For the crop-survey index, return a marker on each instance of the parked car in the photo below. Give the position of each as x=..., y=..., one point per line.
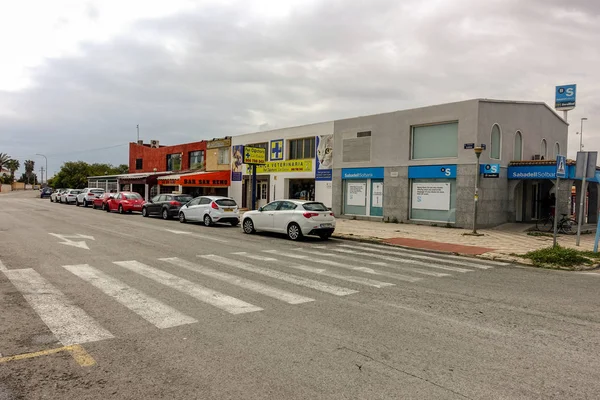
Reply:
x=69, y=196
x=100, y=201
x=87, y=196
x=210, y=210
x=45, y=192
x=124, y=202
x=165, y=205
x=296, y=218
x=55, y=196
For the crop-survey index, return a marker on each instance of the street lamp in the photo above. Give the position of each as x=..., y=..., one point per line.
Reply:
x=37, y=154
x=580, y=133
x=478, y=151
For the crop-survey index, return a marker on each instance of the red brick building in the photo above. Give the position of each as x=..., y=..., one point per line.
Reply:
x=188, y=156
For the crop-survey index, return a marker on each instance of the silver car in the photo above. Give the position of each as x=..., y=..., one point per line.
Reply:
x=69, y=196
x=210, y=210
x=87, y=196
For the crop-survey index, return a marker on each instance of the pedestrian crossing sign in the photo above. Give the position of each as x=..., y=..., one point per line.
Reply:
x=561, y=166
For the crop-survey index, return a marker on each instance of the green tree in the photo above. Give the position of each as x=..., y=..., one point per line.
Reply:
x=29, y=168
x=4, y=159
x=12, y=166
x=74, y=174
x=28, y=179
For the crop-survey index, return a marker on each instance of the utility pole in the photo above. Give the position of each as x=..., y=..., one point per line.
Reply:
x=478, y=151
x=41, y=180
x=37, y=154
x=138, y=132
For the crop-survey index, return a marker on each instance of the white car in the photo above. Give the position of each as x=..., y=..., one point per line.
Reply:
x=55, y=196
x=295, y=218
x=69, y=196
x=210, y=209
x=87, y=196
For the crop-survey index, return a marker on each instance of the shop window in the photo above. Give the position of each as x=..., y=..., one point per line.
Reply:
x=518, y=147
x=433, y=200
x=302, y=189
x=434, y=141
x=223, y=156
x=496, y=142
x=301, y=148
x=196, y=160
x=139, y=163
x=556, y=150
x=544, y=149
x=174, y=162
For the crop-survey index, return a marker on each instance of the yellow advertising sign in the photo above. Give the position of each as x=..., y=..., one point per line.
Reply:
x=286, y=166
x=254, y=155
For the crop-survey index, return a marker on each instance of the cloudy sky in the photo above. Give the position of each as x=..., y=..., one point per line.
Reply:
x=76, y=77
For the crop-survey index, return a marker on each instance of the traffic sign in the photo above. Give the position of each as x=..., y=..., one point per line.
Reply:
x=565, y=97
x=490, y=170
x=469, y=146
x=561, y=166
x=254, y=155
x=482, y=146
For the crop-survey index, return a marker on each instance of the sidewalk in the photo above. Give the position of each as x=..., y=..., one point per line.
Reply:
x=497, y=243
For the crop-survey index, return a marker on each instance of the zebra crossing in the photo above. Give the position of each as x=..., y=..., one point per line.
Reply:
x=292, y=277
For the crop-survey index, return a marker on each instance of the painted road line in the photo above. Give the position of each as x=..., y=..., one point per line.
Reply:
x=366, y=270
x=400, y=253
x=197, y=235
x=403, y=267
x=69, y=323
x=295, y=279
x=257, y=287
x=77, y=351
x=254, y=256
x=403, y=250
x=152, y=310
x=206, y=295
x=3, y=267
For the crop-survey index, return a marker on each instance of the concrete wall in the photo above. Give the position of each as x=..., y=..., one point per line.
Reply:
x=5, y=188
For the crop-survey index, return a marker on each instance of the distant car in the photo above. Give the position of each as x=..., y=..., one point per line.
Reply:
x=100, y=201
x=69, y=196
x=124, y=202
x=295, y=218
x=87, y=196
x=210, y=210
x=55, y=196
x=46, y=192
x=165, y=205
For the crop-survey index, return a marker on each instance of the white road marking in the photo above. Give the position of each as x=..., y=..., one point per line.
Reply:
x=69, y=323
x=152, y=310
x=295, y=279
x=197, y=235
x=402, y=250
x=66, y=240
x=209, y=296
x=590, y=273
x=415, y=270
x=257, y=287
x=361, y=269
x=3, y=267
x=254, y=256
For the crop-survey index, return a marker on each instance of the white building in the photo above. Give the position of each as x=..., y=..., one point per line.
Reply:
x=299, y=165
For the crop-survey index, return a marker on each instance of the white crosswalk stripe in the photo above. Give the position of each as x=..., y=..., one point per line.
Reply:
x=461, y=260
x=254, y=256
x=69, y=323
x=206, y=295
x=152, y=310
x=295, y=279
x=257, y=287
x=320, y=260
x=403, y=262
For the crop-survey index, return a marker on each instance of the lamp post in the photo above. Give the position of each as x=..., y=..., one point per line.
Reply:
x=478, y=151
x=580, y=133
x=37, y=154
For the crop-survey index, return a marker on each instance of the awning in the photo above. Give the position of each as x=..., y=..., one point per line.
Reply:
x=197, y=179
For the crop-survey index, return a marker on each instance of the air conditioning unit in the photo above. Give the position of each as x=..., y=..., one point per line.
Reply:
x=140, y=142
x=537, y=157
x=154, y=144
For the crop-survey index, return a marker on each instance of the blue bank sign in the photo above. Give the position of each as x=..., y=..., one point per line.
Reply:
x=565, y=97
x=362, y=173
x=432, y=171
x=532, y=172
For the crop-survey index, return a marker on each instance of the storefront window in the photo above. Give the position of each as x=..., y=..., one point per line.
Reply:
x=433, y=200
x=355, y=197
x=302, y=189
x=435, y=141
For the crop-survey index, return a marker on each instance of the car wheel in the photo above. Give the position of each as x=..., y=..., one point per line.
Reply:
x=248, y=226
x=93, y=206
x=294, y=232
x=144, y=212
x=325, y=236
x=121, y=209
x=182, y=218
x=85, y=203
x=207, y=220
x=165, y=213
x=51, y=201
x=107, y=208
x=235, y=223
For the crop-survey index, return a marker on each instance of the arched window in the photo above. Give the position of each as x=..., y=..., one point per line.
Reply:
x=518, y=150
x=556, y=149
x=544, y=149
x=496, y=142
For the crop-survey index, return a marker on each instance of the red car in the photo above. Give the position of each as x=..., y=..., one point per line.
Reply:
x=124, y=202
x=100, y=202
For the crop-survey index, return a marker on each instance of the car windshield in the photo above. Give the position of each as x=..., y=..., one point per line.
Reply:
x=314, y=207
x=226, y=203
x=183, y=199
x=133, y=196
x=75, y=191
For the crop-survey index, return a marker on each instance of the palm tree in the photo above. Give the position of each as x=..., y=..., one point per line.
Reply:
x=4, y=159
x=29, y=166
x=12, y=166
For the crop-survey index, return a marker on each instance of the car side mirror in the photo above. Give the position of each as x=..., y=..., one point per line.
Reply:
x=260, y=209
x=111, y=197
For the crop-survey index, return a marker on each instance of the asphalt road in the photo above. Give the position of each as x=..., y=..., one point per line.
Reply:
x=141, y=308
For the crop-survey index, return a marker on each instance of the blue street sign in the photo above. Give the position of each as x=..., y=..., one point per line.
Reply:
x=469, y=146
x=565, y=97
x=561, y=166
x=483, y=146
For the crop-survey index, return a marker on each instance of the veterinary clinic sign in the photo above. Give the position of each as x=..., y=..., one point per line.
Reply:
x=286, y=166
x=254, y=155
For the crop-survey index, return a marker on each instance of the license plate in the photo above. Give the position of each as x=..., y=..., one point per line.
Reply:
x=137, y=206
x=326, y=225
x=228, y=209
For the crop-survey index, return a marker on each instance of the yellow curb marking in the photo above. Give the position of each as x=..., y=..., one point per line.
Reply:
x=77, y=351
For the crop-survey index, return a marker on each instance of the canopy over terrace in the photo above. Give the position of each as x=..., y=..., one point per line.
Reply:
x=140, y=182
x=198, y=183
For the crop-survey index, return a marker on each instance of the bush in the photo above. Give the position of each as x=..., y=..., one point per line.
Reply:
x=560, y=257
